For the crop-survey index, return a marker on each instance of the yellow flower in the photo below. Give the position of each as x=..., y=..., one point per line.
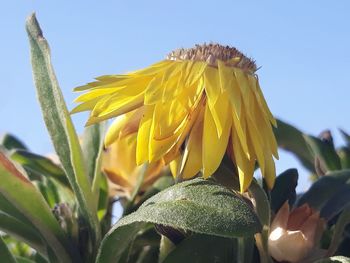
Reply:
x=119, y=163
x=189, y=110
x=294, y=234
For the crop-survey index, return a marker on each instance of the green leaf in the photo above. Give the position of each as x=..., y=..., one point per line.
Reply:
x=24, y=260
x=336, y=259
x=344, y=155
x=291, y=139
x=200, y=248
x=345, y=135
x=9, y=142
x=39, y=164
x=6, y=255
x=342, y=222
x=336, y=203
x=284, y=189
x=129, y=206
x=262, y=206
x=10, y=209
x=60, y=126
x=103, y=197
x=22, y=232
x=92, y=145
x=162, y=183
x=49, y=191
x=245, y=249
x=20, y=192
x=324, y=151
x=123, y=236
x=200, y=206
x=148, y=255
x=324, y=188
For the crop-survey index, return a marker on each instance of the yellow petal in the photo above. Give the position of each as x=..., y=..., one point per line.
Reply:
x=123, y=125
x=190, y=96
x=102, y=80
x=245, y=167
x=196, y=73
x=184, y=121
x=212, y=85
x=173, y=154
x=158, y=148
x=270, y=171
x=121, y=83
x=213, y=147
x=192, y=157
x=264, y=105
x=133, y=122
x=114, y=130
x=143, y=135
x=168, y=118
x=220, y=113
x=154, y=91
x=174, y=166
x=112, y=107
x=229, y=84
x=174, y=85
x=240, y=126
x=119, y=160
x=85, y=106
x=243, y=83
x=153, y=69
x=265, y=130
x=95, y=93
x=257, y=144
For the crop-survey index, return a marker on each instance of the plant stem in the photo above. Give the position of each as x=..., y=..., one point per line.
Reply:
x=166, y=246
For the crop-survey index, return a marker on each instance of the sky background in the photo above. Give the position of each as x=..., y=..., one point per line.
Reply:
x=301, y=46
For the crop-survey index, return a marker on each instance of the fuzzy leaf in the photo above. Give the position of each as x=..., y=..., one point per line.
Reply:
x=60, y=126
x=200, y=206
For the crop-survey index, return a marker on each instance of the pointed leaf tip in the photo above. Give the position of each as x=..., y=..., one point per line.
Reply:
x=33, y=27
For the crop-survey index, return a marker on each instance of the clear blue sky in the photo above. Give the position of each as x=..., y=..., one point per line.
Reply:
x=302, y=46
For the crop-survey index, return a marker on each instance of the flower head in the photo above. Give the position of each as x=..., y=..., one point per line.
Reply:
x=119, y=164
x=189, y=110
x=294, y=234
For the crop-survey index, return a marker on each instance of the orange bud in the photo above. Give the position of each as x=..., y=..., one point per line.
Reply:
x=119, y=164
x=294, y=235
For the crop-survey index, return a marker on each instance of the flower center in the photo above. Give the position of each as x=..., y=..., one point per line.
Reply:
x=211, y=53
